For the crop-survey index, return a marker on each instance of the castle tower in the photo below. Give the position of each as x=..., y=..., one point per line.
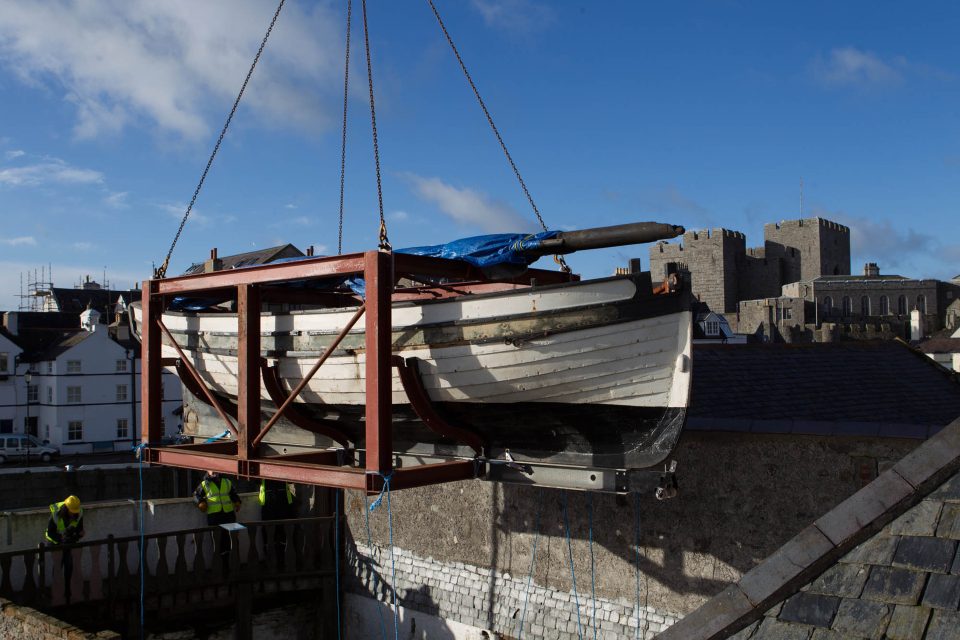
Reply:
x=711, y=257
x=809, y=248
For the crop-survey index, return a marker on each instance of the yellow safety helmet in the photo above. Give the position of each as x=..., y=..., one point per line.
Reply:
x=73, y=504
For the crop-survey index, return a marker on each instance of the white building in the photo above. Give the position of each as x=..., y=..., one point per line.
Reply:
x=83, y=393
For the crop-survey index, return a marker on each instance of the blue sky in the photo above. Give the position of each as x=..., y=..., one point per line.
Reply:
x=705, y=114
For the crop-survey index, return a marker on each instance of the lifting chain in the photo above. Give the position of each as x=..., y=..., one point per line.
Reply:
x=162, y=271
x=343, y=135
x=384, y=243
x=557, y=258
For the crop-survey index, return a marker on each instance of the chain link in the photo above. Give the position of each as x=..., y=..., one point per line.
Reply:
x=343, y=136
x=162, y=271
x=384, y=241
x=558, y=259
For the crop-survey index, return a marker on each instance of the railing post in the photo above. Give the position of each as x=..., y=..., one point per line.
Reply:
x=111, y=574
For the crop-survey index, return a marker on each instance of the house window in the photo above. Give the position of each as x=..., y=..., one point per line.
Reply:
x=75, y=430
x=49, y=395
x=123, y=431
x=922, y=303
x=50, y=366
x=4, y=362
x=847, y=307
x=6, y=426
x=33, y=393
x=787, y=313
x=884, y=306
x=73, y=366
x=46, y=431
x=34, y=367
x=712, y=327
x=828, y=306
x=902, y=305
x=73, y=395
x=865, y=306
x=121, y=393
x=121, y=366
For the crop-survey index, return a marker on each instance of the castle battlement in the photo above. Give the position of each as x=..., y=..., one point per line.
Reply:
x=805, y=222
x=713, y=234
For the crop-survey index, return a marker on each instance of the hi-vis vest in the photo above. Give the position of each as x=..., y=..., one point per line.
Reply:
x=263, y=493
x=218, y=496
x=61, y=524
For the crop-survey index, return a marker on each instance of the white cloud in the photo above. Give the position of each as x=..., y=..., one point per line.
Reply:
x=176, y=64
x=398, y=216
x=176, y=212
x=50, y=171
x=15, y=153
x=514, y=15
x=849, y=66
x=879, y=241
x=117, y=200
x=290, y=206
x=82, y=246
x=20, y=241
x=469, y=207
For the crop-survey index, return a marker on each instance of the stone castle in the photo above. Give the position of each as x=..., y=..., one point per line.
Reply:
x=724, y=271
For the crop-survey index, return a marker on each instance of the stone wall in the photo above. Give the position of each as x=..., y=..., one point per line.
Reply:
x=23, y=623
x=463, y=550
x=809, y=247
x=712, y=258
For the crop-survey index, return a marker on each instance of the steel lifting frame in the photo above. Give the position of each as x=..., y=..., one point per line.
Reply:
x=240, y=457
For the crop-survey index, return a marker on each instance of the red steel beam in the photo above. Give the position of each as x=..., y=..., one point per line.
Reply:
x=151, y=372
x=379, y=372
x=300, y=270
x=306, y=379
x=248, y=369
x=437, y=473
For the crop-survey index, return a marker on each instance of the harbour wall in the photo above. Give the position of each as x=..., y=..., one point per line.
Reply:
x=462, y=551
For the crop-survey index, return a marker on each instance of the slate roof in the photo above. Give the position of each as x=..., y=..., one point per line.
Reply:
x=103, y=300
x=940, y=345
x=847, y=388
x=67, y=341
x=251, y=258
x=883, y=564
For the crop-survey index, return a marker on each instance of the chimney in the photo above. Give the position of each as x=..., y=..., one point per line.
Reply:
x=871, y=270
x=310, y=251
x=214, y=263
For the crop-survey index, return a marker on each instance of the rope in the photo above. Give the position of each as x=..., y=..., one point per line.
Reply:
x=573, y=575
x=139, y=451
x=336, y=552
x=343, y=135
x=393, y=566
x=496, y=132
x=366, y=517
x=384, y=242
x=636, y=511
x=533, y=562
x=162, y=271
x=593, y=579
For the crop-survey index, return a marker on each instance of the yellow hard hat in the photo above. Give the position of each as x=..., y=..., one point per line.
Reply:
x=73, y=504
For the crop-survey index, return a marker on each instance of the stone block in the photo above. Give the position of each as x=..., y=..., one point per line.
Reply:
x=943, y=625
x=830, y=634
x=896, y=586
x=859, y=617
x=921, y=520
x=716, y=614
x=785, y=564
x=772, y=629
x=949, y=491
x=955, y=569
x=949, y=522
x=864, y=508
x=877, y=550
x=925, y=554
x=810, y=609
x=927, y=462
x=942, y=592
x=907, y=623
x=844, y=580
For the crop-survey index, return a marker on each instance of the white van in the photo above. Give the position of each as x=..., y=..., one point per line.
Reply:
x=20, y=446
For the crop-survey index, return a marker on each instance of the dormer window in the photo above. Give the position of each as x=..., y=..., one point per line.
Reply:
x=712, y=328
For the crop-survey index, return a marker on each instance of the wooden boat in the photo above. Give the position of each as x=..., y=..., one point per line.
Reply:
x=591, y=374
